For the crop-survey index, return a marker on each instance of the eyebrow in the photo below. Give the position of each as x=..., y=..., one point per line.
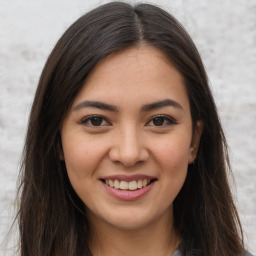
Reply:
x=160, y=104
x=95, y=104
x=145, y=108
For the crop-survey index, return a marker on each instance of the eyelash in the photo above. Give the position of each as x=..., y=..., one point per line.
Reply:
x=88, y=121
x=167, y=121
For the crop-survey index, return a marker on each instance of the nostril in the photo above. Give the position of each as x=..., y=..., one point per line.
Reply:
x=129, y=153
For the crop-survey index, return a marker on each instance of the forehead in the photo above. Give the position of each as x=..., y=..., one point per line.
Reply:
x=137, y=61
x=138, y=74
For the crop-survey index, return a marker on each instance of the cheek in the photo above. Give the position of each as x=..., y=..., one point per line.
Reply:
x=82, y=159
x=172, y=154
x=81, y=156
x=173, y=161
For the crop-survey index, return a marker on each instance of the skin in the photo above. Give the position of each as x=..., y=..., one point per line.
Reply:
x=131, y=140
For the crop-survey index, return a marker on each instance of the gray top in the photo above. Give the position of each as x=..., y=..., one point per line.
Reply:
x=177, y=253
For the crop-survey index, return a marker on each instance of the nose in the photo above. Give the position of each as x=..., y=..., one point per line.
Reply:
x=128, y=147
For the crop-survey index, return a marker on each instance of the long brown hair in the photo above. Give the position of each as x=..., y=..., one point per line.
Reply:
x=52, y=217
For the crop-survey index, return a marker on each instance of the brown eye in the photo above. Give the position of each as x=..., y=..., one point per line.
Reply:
x=161, y=121
x=96, y=121
x=158, y=121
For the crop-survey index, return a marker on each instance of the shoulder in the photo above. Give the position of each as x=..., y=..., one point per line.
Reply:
x=248, y=254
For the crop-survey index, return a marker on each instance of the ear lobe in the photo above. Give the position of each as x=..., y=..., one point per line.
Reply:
x=196, y=140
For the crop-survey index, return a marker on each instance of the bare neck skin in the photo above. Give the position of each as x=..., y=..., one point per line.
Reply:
x=157, y=238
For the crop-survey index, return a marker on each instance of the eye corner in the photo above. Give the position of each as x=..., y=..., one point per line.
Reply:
x=161, y=121
x=94, y=121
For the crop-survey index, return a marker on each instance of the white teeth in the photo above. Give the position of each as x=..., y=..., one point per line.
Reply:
x=125, y=185
x=116, y=184
x=139, y=183
x=133, y=185
x=111, y=183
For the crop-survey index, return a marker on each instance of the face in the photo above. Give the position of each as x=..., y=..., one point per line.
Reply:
x=127, y=139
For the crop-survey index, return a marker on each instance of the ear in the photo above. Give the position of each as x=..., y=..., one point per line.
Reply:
x=195, y=140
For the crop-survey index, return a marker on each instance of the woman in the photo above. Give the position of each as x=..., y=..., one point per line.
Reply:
x=125, y=154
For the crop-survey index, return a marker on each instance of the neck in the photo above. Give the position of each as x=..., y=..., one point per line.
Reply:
x=157, y=238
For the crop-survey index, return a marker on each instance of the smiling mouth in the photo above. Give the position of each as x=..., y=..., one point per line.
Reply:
x=128, y=185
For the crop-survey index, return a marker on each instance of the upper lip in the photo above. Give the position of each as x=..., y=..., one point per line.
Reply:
x=128, y=177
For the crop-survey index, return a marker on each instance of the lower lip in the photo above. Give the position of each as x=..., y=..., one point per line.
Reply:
x=128, y=195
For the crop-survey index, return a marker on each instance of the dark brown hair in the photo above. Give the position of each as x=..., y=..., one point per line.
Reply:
x=51, y=217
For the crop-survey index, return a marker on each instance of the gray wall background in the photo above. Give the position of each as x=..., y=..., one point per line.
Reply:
x=225, y=34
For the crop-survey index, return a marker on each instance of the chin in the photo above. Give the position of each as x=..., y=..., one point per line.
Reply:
x=129, y=224
x=131, y=219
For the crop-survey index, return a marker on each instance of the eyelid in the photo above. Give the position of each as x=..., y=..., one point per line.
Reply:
x=86, y=119
x=169, y=119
